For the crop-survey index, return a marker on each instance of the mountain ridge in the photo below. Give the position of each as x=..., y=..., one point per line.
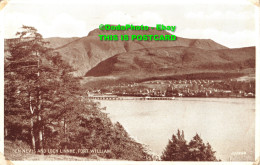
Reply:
x=84, y=54
x=168, y=61
x=87, y=52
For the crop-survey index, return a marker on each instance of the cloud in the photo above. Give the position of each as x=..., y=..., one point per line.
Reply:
x=220, y=15
x=117, y=17
x=227, y=24
x=231, y=40
x=65, y=25
x=149, y=18
x=61, y=25
x=145, y=18
x=14, y=21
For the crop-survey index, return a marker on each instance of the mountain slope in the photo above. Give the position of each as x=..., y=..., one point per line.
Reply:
x=85, y=53
x=175, y=61
x=56, y=42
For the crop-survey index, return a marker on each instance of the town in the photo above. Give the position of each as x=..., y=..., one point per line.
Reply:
x=180, y=88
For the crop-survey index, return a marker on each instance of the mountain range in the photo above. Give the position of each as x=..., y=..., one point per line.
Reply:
x=91, y=57
x=87, y=52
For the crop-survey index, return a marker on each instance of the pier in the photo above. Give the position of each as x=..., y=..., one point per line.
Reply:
x=128, y=98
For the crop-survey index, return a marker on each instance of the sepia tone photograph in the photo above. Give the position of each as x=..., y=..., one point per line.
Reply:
x=134, y=81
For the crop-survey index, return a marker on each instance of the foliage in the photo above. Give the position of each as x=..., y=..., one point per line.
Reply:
x=178, y=150
x=46, y=107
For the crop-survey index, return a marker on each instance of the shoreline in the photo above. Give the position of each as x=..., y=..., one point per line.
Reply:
x=114, y=97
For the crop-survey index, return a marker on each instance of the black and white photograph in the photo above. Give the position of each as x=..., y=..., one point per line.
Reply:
x=133, y=81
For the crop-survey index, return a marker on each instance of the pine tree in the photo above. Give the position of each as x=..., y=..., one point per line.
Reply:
x=42, y=97
x=198, y=151
x=183, y=145
x=176, y=149
x=31, y=63
x=210, y=154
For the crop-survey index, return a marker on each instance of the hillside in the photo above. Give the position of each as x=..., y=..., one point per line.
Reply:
x=178, y=60
x=56, y=42
x=91, y=57
x=85, y=53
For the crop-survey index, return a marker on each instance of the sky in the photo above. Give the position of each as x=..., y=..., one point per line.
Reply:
x=230, y=23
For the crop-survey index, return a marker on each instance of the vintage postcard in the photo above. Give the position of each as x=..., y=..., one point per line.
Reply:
x=112, y=82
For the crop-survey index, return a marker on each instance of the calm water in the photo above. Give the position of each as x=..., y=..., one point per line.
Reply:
x=226, y=123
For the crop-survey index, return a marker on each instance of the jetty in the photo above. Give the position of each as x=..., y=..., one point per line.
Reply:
x=113, y=97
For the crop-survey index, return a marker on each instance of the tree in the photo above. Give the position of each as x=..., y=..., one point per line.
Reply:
x=24, y=63
x=198, y=151
x=210, y=154
x=178, y=150
x=32, y=64
x=47, y=107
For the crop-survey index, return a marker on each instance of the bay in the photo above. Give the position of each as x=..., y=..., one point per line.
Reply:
x=228, y=124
